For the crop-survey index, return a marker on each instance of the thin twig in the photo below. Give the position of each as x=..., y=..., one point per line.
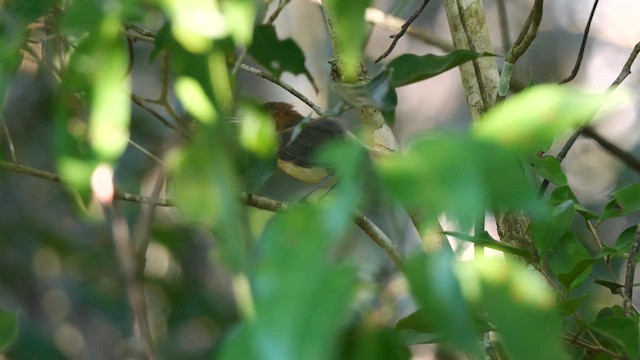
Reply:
x=583, y=45
x=626, y=69
x=380, y=18
x=146, y=152
x=22, y=169
x=403, y=30
x=140, y=102
x=281, y=5
x=7, y=134
x=630, y=273
x=259, y=202
x=283, y=85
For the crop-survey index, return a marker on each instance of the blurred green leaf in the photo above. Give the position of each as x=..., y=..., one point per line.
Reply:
x=240, y=16
x=8, y=328
x=457, y=175
x=508, y=291
x=206, y=190
x=570, y=261
x=621, y=330
x=410, y=68
x=294, y=266
x=531, y=120
x=350, y=29
x=434, y=285
x=549, y=168
x=626, y=200
x=195, y=24
x=257, y=131
x=278, y=56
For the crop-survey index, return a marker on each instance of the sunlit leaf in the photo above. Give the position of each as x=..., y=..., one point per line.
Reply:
x=531, y=120
x=508, y=291
x=457, y=175
x=240, y=16
x=410, y=68
x=196, y=23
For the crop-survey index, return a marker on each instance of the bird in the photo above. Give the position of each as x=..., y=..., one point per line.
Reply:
x=299, y=141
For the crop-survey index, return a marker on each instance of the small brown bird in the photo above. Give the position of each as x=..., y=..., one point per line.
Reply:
x=300, y=141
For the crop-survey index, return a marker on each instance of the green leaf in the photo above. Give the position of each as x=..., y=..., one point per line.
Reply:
x=546, y=233
x=549, y=168
x=570, y=261
x=410, y=68
x=435, y=286
x=563, y=193
x=278, y=56
x=625, y=239
x=570, y=306
x=531, y=120
x=294, y=266
x=621, y=330
x=8, y=328
x=625, y=201
x=349, y=27
x=457, y=175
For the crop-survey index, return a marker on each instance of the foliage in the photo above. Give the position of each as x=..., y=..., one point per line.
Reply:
x=217, y=275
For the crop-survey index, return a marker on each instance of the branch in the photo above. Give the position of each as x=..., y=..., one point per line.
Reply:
x=283, y=85
x=403, y=29
x=380, y=18
x=583, y=45
x=259, y=202
x=22, y=169
x=281, y=5
x=140, y=102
